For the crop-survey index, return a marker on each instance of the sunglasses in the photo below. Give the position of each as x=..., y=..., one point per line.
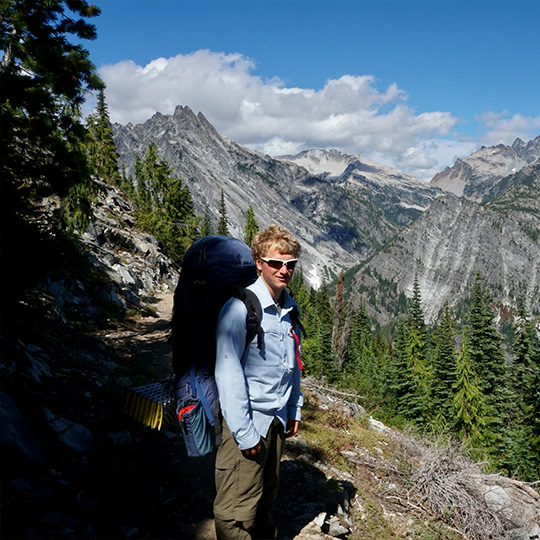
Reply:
x=276, y=264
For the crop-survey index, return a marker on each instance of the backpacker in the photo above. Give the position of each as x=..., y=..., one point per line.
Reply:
x=214, y=269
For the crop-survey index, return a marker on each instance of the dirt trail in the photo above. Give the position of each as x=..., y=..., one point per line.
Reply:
x=189, y=489
x=149, y=340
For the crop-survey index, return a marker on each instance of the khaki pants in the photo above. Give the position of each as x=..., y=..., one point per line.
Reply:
x=247, y=487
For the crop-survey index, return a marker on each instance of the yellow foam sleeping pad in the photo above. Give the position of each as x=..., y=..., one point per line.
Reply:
x=153, y=404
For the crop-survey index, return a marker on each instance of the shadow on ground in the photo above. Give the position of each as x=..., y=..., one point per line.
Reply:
x=134, y=482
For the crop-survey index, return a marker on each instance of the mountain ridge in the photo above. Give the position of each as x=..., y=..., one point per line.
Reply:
x=336, y=229
x=474, y=177
x=351, y=215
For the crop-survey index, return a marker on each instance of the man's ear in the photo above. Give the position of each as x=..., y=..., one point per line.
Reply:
x=258, y=264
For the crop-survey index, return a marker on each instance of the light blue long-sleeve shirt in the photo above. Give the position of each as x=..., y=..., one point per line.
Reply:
x=257, y=385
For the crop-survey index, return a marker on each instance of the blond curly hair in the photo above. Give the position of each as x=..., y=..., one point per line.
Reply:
x=278, y=237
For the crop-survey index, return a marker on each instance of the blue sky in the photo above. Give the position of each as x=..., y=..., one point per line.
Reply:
x=413, y=84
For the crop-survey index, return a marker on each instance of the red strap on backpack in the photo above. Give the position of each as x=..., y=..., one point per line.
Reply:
x=297, y=340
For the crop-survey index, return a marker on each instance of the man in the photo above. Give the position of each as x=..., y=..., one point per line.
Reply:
x=259, y=390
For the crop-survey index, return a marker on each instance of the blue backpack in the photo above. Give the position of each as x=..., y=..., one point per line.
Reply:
x=214, y=269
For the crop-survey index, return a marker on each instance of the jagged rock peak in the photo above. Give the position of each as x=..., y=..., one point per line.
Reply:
x=185, y=111
x=530, y=151
x=476, y=176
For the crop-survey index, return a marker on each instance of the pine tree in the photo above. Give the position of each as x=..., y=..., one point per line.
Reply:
x=491, y=371
x=223, y=223
x=179, y=226
x=300, y=293
x=165, y=206
x=43, y=82
x=365, y=366
x=416, y=347
x=340, y=323
x=415, y=311
x=404, y=384
x=485, y=343
x=532, y=415
x=487, y=357
x=358, y=347
x=524, y=342
x=317, y=349
x=444, y=374
x=101, y=145
x=206, y=226
x=44, y=78
x=471, y=409
x=252, y=227
x=525, y=435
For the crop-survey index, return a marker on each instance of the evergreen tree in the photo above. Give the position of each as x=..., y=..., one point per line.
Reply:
x=444, y=374
x=524, y=343
x=364, y=368
x=101, y=146
x=179, y=226
x=340, y=323
x=223, y=223
x=485, y=342
x=487, y=360
x=206, y=226
x=414, y=333
x=532, y=416
x=503, y=422
x=358, y=347
x=470, y=406
x=142, y=193
x=43, y=81
x=317, y=349
x=415, y=311
x=299, y=291
x=404, y=384
x=525, y=434
x=165, y=206
x=252, y=227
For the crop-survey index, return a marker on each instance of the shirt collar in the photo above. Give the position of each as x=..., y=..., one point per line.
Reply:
x=261, y=290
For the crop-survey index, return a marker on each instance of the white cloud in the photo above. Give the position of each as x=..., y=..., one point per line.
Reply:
x=505, y=128
x=349, y=113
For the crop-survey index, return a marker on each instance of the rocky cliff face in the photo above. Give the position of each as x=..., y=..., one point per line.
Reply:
x=444, y=248
x=475, y=177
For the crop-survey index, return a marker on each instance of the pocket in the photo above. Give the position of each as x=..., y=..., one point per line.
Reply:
x=196, y=431
x=271, y=354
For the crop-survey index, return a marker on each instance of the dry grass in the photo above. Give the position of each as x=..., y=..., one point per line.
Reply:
x=445, y=484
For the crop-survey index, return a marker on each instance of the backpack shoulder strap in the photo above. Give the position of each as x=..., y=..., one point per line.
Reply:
x=253, y=318
x=254, y=314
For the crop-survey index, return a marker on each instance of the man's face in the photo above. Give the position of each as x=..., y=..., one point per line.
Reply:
x=275, y=276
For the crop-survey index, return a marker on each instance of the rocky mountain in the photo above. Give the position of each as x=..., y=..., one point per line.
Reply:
x=452, y=240
x=347, y=210
x=210, y=164
x=340, y=219
x=401, y=197
x=476, y=176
